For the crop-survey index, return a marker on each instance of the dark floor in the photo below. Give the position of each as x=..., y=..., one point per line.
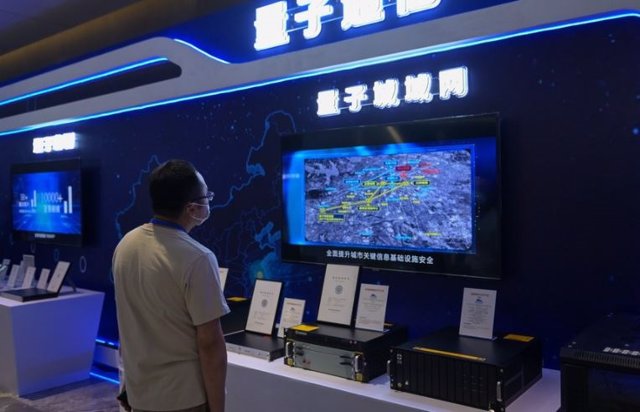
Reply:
x=91, y=395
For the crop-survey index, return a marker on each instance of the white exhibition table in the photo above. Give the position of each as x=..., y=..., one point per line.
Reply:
x=48, y=343
x=254, y=384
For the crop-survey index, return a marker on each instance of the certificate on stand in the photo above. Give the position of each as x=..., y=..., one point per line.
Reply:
x=223, y=272
x=264, y=304
x=372, y=306
x=43, y=279
x=338, y=294
x=29, y=274
x=292, y=312
x=478, y=310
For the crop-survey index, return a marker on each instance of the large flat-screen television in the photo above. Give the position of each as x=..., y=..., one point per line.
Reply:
x=421, y=196
x=46, y=202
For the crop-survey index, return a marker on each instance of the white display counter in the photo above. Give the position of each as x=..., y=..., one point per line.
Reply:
x=48, y=343
x=254, y=384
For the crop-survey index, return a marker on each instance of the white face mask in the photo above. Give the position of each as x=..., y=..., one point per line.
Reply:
x=201, y=220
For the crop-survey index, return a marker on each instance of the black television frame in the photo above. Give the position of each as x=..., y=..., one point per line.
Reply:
x=486, y=260
x=53, y=238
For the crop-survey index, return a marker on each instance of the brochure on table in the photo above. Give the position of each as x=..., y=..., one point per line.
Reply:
x=292, y=313
x=43, y=279
x=264, y=304
x=29, y=274
x=13, y=277
x=223, y=272
x=27, y=262
x=338, y=294
x=4, y=269
x=372, y=307
x=19, y=277
x=478, y=310
x=59, y=273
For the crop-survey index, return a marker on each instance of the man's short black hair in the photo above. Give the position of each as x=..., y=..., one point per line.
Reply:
x=172, y=185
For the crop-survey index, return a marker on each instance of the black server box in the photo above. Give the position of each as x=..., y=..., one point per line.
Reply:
x=351, y=353
x=600, y=368
x=482, y=373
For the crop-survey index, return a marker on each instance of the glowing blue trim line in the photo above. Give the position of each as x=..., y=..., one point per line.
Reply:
x=342, y=67
x=107, y=342
x=469, y=43
x=84, y=80
x=201, y=51
x=104, y=378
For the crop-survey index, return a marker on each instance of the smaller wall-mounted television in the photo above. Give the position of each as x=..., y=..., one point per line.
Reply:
x=46, y=202
x=420, y=196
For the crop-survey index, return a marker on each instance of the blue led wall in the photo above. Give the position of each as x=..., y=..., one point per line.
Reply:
x=569, y=101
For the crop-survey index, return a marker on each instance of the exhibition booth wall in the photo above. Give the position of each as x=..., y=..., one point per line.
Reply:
x=567, y=96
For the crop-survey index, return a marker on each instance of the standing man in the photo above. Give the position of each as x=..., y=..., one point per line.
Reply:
x=169, y=301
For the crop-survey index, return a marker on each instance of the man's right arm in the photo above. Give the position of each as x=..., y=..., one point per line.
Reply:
x=213, y=362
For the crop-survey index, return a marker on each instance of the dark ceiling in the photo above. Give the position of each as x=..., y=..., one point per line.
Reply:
x=36, y=35
x=23, y=22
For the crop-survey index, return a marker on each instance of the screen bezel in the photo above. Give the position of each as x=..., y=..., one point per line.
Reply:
x=484, y=263
x=63, y=239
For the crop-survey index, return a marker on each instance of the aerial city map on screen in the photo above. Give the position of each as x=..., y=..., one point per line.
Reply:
x=419, y=196
x=419, y=200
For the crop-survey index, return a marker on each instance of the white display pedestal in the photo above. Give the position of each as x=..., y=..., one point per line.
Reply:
x=254, y=384
x=49, y=342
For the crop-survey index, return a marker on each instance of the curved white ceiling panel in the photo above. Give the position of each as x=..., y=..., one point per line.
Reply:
x=204, y=75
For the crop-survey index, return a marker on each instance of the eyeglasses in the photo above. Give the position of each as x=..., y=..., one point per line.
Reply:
x=209, y=196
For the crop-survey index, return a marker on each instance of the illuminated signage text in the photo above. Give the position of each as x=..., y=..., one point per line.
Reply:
x=55, y=143
x=388, y=93
x=272, y=20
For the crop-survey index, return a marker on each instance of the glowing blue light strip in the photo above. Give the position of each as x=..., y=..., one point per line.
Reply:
x=85, y=80
x=471, y=42
x=107, y=342
x=342, y=67
x=104, y=378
